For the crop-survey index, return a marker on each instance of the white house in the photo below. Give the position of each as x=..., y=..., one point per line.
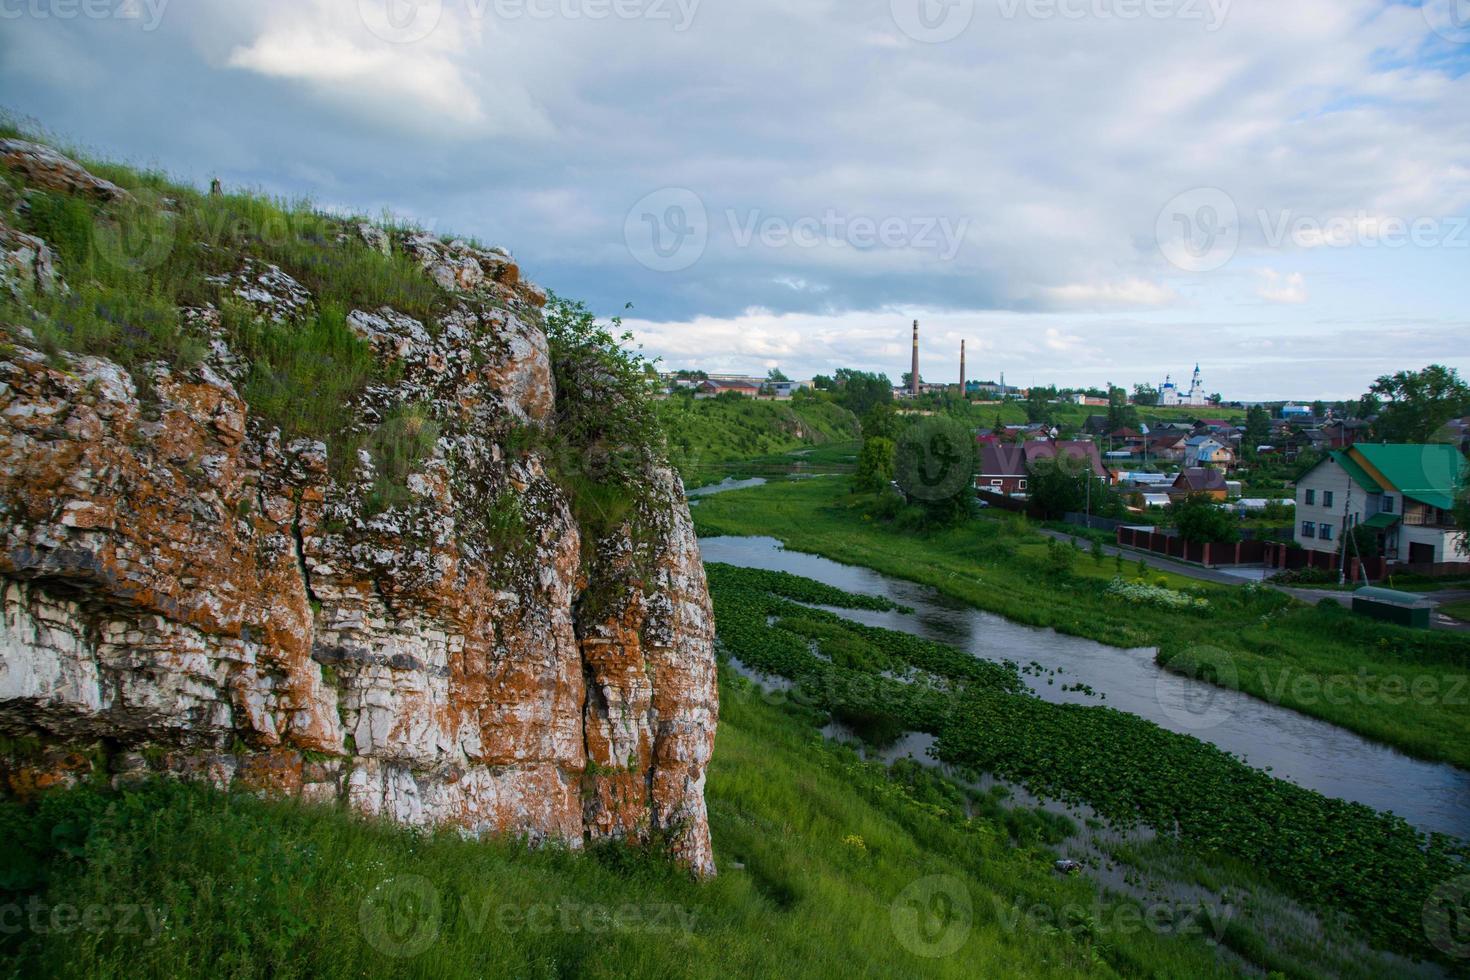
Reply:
x=1404, y=493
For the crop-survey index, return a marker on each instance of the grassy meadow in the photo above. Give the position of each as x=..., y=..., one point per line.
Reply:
x=1403, y=687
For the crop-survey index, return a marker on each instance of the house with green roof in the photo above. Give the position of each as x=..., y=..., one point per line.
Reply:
x=1404, y=493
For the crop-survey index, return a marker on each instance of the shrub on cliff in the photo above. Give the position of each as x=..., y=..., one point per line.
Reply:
x=605, y=425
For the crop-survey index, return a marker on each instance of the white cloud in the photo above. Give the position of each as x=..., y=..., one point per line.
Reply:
x=1127, y=293
x=433, y=83
x=1058, y=141
x=1276, y=288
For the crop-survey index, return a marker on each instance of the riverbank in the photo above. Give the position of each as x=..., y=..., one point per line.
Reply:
x=1337, y=857
x=1408, y=689
x=1072, y=670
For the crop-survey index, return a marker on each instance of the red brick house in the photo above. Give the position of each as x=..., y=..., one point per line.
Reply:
x=712, y=388
x=1004, y=468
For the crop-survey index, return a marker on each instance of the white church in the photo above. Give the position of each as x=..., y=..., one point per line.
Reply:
x=1170, y=394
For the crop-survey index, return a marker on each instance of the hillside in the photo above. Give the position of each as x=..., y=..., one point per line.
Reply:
x=705, y=436
x=829, y=865
x=821, y=855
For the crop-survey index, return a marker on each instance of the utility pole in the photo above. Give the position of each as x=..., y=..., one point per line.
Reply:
x=1087, y=513
x=1347, y=510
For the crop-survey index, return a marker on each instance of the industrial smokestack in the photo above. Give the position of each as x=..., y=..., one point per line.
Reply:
x=963, y=379
x=914, y=373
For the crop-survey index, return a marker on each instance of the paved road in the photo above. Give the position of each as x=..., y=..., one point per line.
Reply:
x=1439, y=619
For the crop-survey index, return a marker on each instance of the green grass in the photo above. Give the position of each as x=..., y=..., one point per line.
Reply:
x=1275, y=648
x=816, y=849
x=1075, y=416
x=132, y=266
x=706, y=436
x=1459, y=610
x=1344, y=857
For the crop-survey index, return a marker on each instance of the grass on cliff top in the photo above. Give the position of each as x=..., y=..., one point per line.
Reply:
x=1286, y=652
x=836, y=862
x=132, y=266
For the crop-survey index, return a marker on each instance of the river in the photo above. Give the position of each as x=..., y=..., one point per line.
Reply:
x=1293, y=746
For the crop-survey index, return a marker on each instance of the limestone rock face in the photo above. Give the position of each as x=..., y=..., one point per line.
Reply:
x=199, y=596
x=44, y=167
x=26, y=263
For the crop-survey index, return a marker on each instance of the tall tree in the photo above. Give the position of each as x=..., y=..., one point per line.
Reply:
x=1200, y=519
x=875, y=465
x=1059, y=485
x=861, y=390
x=881, y=422
x=1145, y=395
x=1257, y=430
x=775, y=375
x=1419, y=403
x=1121, y=415
x=1038, y=405
x=934, y=464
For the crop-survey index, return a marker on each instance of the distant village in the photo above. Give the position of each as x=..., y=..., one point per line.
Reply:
x=1344, y=480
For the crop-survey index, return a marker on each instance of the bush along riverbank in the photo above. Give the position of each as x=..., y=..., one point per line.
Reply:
x=1342, y=857
x=1405, y=688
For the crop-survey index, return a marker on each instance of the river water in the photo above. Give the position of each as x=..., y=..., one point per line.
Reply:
x=1294, y=747
x=725, y=485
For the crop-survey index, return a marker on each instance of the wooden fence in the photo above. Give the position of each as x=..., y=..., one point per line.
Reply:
x=1211, y=554
x=1286, y=558
x=1278, y=555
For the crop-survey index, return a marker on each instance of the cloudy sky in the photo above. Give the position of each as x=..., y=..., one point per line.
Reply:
x=1085, y=190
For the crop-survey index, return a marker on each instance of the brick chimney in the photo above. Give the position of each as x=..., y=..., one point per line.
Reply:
x=914, y=372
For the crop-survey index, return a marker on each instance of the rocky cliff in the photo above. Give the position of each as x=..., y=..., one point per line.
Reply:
x=429, y=634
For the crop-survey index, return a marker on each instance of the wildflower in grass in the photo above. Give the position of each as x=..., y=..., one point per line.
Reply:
x=1154, y=595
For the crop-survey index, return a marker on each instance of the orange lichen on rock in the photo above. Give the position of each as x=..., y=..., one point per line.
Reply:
x=175, y=574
